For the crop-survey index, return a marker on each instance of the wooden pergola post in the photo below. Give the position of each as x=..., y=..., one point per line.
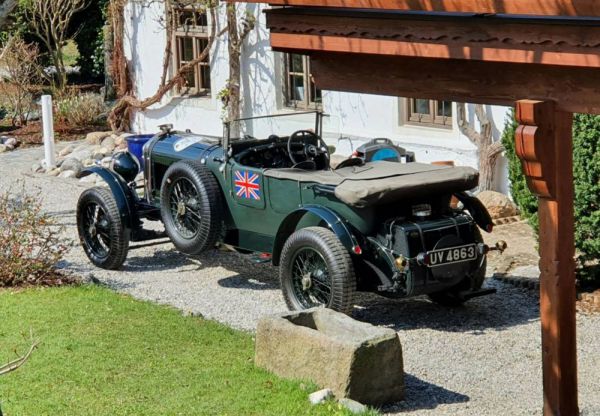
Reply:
x=544, y=145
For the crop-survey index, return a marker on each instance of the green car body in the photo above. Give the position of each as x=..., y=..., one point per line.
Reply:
x=247, y=195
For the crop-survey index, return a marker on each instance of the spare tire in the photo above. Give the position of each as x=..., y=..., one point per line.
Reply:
x=191, y=207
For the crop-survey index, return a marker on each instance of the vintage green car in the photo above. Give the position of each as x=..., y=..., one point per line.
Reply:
x=383, y=227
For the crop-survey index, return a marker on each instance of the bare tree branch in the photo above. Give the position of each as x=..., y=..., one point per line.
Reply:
x=14, y=365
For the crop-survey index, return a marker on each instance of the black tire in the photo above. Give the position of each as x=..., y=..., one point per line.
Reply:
x=191, y=207
x=474, y=282
x=101, y=231
x=330, y=266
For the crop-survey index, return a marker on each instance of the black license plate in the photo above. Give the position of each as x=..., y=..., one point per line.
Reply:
x=452, y=255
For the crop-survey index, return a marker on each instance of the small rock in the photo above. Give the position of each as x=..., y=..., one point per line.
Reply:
x=72, y=164
x=53, y=172
x=109, y=144
x=67, y=174
x=67, y=150
x=119, y=141
x=88, y=162
x=121, y=147
x=320, y=396
x=497, y=204
x=97, y=137
x=353, y=406
x=3, y=148
x=89, y=179
x=11, y=143
x=37, y=168
x=82, y=154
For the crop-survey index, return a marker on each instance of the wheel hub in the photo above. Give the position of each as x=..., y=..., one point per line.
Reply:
x=306, y=282
x=92, y=230
x=181, y=208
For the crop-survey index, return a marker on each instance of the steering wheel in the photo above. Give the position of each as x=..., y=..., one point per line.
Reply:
x=310, y=151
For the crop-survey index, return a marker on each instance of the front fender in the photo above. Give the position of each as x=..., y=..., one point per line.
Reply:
x=339, y=227
x=123, y=194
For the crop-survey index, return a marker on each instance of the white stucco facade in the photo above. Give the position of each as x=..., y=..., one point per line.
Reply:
x=352, y=117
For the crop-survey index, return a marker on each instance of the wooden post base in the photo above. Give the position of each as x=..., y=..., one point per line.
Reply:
x=544, y=145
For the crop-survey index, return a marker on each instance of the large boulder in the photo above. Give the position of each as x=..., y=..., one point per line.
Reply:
x=97, y=137
x=353, y=359
x=498, y=205
x=72, y=164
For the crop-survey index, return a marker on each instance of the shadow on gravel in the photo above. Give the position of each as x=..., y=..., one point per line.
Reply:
x=423, y=395
x=509, y=307
x=247, y=275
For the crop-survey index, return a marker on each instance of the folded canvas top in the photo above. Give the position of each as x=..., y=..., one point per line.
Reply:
x=382, y=182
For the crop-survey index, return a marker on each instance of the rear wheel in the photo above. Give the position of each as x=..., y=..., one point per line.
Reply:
x=101, y=231
x=316, y=271
x=191, y=207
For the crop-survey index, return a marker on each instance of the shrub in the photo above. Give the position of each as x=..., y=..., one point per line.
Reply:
x=525, y=200
x=81, y=110
x=22, y=71
x=30, y=242
x=586, y=171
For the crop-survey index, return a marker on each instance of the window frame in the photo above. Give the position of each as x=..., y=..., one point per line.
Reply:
x=311, y=92
x=429, y=120
x=199, y=35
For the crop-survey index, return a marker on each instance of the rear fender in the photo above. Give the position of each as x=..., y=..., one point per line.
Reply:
x=124, y=196
x=477, y=210
x=336, y=224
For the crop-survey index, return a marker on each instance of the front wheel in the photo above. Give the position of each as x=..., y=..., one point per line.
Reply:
x=103, y=235
x=317, y=271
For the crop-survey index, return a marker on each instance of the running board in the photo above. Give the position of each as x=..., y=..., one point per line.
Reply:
x=470, y=295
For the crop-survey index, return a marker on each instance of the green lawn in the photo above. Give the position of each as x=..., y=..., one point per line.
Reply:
x=102, y=353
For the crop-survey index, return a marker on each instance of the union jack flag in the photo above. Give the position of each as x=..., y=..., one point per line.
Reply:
x=247, y=185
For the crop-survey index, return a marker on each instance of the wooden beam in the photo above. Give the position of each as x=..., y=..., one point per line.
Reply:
x=532, y=41
x=311, y=43
x=573, y=89
x=586, y=8
x=544, y=144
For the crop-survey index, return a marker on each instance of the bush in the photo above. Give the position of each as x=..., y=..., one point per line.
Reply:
x=586, y=171
x=525, y=200
x=81, y=110
x=30, y=243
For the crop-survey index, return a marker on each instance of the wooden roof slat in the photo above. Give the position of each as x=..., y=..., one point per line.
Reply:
x=584, y=8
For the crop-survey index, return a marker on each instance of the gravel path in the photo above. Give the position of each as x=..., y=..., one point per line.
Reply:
x=483, y=359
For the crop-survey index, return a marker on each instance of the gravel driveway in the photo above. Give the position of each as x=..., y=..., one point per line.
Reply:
x=482, y=359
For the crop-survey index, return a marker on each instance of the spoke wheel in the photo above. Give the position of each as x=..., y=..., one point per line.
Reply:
x=101, y=232
x=317, y=271
x=310, y=278
x=185, y=203
x=191, y=207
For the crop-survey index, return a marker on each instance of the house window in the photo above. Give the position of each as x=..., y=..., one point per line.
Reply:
x=300, y=89
x=190, y=38
x=429, y=112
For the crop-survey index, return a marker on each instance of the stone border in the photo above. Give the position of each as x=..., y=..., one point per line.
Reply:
x=508, y=220
x=521, y=282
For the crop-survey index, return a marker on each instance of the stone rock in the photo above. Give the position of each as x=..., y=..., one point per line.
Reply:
x=3, y=148
x=72, y=164
x=11, y=143
x=37, y=168
x=354, y=359
x=67, y=174
x=88, y=162
x=122, y=139
x=353, y=406
x=320, y=396
x=89, y=179
x=53, y=172
x=97, y=137
x=498, y=205
x=67, y=150
x=81, y=154
x=109, y=144
x=121, y=147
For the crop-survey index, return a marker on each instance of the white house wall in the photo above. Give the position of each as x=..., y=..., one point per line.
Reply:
x=352, y=117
